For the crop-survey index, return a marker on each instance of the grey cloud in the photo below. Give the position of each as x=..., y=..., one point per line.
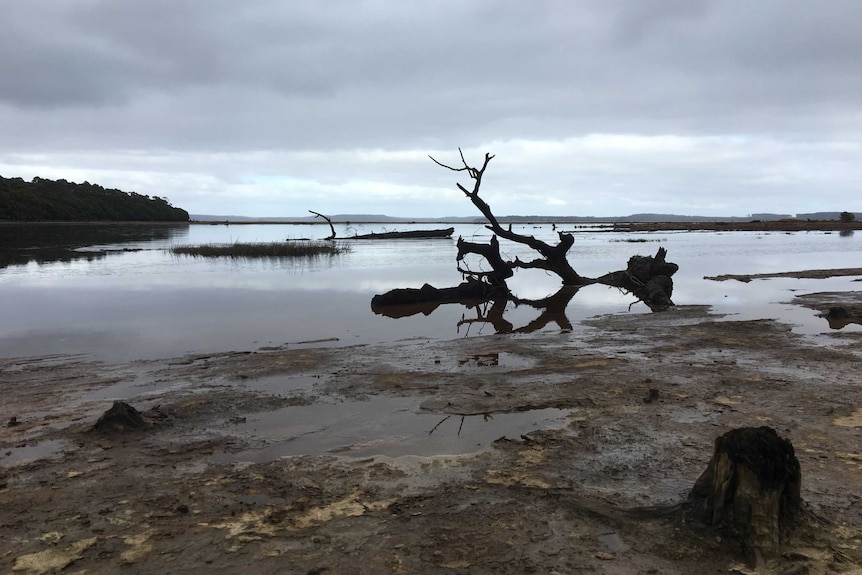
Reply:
x=198, y=77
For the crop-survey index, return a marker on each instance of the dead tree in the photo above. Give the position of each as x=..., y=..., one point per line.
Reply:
x=328, y=221
x=752, y=487
x=553, y=256
x=646, y=277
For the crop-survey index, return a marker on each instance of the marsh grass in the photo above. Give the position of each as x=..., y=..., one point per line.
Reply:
x=288, y=249
x=636, y=240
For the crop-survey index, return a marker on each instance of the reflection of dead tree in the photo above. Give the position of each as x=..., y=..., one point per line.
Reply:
x=489, y=312
x=553, y=310
x=439, y=423
x=328, y=221
x=485, y=417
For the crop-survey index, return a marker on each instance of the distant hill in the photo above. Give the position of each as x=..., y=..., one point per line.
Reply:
x=42, y=200
x=634, y=218
x=336, y=218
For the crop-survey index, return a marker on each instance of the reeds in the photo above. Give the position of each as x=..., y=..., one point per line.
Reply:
x=636, y=240
x=288, y=249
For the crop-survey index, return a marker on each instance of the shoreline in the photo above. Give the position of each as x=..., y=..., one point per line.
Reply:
x=608, y=226
x=644, y=397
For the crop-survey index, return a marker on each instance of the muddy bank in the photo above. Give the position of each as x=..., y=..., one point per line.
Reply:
x=756, y=226
x=630, y=406
x=812, y=274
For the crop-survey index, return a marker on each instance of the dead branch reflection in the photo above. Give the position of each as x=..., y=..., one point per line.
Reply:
x=485, y=417
x=552, y=310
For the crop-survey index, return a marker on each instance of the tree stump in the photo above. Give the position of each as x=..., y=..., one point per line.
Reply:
x=121, y=417
x=752, y=486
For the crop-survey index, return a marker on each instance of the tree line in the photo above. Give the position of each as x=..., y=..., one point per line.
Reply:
x=43, y=200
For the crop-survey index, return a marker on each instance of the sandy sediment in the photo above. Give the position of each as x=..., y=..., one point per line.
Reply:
x=642, y=397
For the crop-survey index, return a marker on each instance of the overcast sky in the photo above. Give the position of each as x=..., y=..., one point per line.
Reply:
x=276, y=107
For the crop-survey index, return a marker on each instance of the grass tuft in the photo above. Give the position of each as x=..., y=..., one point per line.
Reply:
x=289, y=249
x=636, y=240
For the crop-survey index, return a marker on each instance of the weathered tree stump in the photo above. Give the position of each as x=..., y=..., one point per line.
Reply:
x=752, y=486
x=121, y=417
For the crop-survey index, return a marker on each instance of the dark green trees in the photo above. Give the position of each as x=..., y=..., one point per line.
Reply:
x=48, y=200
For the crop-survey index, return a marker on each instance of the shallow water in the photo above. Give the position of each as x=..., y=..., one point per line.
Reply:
x=389, y=426
x=61, y=292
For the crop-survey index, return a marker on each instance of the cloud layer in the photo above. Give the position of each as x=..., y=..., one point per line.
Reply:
x=271, y=108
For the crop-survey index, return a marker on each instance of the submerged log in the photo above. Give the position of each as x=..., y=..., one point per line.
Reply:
x=751, y=486
x=408, y=235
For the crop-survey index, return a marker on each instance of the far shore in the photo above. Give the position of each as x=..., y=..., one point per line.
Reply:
x=788, y=225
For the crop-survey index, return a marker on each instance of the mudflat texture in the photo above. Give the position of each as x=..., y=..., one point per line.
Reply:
x=603, y=491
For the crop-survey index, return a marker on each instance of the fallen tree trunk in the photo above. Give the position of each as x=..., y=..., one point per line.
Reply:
x=648, y=278
x=553, y=258
x=473, y=291
x=412, y=234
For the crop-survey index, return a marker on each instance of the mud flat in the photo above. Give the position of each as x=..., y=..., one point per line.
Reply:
x=611, y=424
x=789, y=225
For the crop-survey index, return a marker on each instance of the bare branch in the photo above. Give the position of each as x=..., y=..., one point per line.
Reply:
x=331, y=227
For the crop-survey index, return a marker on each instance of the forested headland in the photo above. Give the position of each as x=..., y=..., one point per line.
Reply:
x=43, y=200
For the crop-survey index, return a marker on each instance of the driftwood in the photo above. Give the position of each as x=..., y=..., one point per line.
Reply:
x=647, y=277
x=328, y=221
x=751, y=486
x=553, y=256
x=409, y=235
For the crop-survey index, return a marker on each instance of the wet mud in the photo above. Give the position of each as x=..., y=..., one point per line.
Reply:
x=566, y=452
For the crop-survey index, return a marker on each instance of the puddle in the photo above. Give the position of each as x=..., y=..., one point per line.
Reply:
x=494, y=359
x=42, y=450
x=391, y=427
x=612, y=542
x=513, y=361
x=693, y=416
x=282, y=384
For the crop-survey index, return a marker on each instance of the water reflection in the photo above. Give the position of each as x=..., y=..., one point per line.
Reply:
x=149, y=304
x=838, y=317
x=552, y=308
x=493, y=312
x=21, y=244
x=389, y=426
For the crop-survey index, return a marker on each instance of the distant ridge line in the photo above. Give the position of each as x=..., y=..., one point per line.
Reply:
x=634, y=218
